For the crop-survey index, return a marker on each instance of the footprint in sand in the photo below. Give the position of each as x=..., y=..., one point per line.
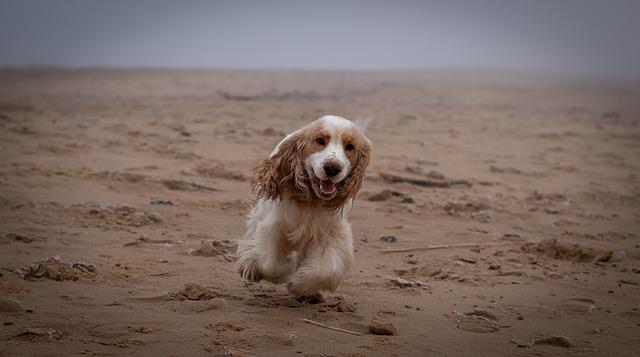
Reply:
x=478, y=320
x=576, y=306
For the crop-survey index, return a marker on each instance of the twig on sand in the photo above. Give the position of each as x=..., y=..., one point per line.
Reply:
x=330, y=327
x=629, y=282
x=447, y=246
x=424, y=183
x=233, y=351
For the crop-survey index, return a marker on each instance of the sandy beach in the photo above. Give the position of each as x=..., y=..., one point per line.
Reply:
x=500, y=215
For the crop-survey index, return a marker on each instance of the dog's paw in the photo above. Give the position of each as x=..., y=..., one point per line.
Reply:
x=251, y=275
x=249, y=271
x=300, y=295
x=316, y=298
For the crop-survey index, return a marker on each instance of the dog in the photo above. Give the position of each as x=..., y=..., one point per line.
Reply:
x=297, y=232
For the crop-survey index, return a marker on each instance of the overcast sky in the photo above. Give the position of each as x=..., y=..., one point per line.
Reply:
x=600, y=37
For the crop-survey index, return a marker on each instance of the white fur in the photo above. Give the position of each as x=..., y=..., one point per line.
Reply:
x=281, y=245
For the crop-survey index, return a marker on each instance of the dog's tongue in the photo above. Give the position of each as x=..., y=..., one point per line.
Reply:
x=327, y=186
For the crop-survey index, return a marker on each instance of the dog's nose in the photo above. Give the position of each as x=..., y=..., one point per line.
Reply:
x=332, y=169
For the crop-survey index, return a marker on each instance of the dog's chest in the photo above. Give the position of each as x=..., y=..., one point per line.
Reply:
x=310, y=224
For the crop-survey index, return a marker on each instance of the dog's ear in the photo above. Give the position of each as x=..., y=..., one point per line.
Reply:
x=282, y=174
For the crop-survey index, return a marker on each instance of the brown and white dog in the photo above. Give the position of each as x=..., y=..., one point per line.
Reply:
x=297, y=232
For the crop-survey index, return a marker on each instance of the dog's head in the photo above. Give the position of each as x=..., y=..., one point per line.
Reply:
x=322, y=163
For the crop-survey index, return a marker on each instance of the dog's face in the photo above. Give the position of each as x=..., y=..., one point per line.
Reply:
x=331, y=152
x=322, y=163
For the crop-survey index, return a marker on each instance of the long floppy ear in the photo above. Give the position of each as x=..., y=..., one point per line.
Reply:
x=282, y=174
x=354, y=181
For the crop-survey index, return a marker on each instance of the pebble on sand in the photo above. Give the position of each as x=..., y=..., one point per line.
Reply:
x=382, y=328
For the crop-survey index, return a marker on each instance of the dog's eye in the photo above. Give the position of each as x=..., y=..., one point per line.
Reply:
x=320, y=141
x=349, y=147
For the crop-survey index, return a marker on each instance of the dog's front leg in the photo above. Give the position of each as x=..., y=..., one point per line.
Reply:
x=264, y=253
x=322, y=268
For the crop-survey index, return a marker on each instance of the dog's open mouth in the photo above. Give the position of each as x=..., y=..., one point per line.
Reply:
x=326, y=188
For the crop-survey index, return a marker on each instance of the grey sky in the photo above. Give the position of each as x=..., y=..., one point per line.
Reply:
x=576, y=35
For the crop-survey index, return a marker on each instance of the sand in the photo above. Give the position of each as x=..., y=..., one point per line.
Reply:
x=500, y=215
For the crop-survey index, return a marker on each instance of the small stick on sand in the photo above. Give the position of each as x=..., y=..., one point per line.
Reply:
x=233, y=351
x=447, y=246
x=331, y=328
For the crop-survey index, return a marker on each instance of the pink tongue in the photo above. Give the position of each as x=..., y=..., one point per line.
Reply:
x=327, y=186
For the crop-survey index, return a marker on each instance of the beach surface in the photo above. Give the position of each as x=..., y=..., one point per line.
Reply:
x=500, y=215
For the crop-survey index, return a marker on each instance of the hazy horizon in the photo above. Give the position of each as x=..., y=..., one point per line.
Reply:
x=568, y=36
